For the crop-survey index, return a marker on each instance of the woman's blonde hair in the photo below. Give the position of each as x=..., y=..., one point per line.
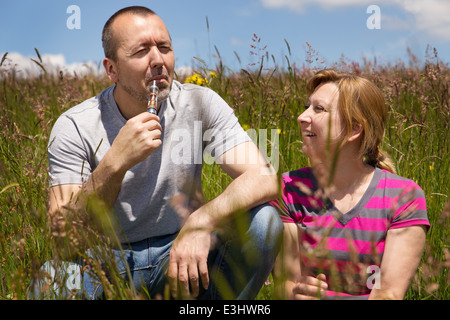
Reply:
x=360, y=103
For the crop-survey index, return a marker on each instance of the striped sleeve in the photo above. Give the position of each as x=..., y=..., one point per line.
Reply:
x=411, y=208
x=408, y=205
x=282, y=205
x=296, y=195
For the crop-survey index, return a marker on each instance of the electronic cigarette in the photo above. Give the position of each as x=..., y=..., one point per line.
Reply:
x=153, y=99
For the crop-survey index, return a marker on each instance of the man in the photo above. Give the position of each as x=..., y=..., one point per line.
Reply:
x=131, y=159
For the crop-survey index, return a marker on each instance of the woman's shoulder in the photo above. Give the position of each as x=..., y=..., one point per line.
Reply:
x=301, y=181
x=392, y=180
x=304, y=173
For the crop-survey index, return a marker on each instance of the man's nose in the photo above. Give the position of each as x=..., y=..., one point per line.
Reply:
x=156, y=59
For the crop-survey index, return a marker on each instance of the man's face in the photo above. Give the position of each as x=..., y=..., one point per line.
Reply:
x=144, y=54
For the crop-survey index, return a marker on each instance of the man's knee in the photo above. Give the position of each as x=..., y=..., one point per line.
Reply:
x=266, y=225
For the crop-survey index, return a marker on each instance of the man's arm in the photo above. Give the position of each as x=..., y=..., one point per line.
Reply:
x=135, y=142
x=255, y=182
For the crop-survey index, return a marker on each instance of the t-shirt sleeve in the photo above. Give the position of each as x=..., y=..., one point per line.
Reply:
x=283, y=204
x=223, y=131
x=411, y=208
x=67, y=157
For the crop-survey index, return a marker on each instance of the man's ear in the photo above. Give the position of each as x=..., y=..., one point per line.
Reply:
x=357, y=130
x=111, y=70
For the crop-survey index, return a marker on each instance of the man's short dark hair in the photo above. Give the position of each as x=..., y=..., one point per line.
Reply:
x=109, y=43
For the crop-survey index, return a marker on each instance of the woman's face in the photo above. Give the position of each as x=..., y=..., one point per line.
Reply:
x=321, y=123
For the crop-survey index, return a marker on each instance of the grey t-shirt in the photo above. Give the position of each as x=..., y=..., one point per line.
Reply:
x=195, y=120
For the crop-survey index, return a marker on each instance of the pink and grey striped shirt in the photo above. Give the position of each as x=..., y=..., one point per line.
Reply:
x=349, y=247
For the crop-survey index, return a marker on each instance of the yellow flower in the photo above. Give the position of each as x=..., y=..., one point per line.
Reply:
x=191, y=79
x=213, y=75
x=196, y=79
x=245, y=127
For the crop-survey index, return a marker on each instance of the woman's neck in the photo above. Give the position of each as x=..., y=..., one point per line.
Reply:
x=344, y=182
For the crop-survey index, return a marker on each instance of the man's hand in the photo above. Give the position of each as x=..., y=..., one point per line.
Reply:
x=136, y=140
x=188, y=261
x=252, y=185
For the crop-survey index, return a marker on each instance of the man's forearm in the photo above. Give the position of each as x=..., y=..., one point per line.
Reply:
x=81, y=206
x=104, y=182
x=248, y=190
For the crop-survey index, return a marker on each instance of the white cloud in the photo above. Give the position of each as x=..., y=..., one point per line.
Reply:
x=184, y=71
x=236, y=42
x=24, y=67
x=431, y=16
x=53, y=63
x=394, y=23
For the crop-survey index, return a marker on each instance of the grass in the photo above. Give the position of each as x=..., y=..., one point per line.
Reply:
x=266, y=95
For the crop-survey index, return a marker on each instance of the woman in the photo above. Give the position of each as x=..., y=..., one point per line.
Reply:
x=352, y=227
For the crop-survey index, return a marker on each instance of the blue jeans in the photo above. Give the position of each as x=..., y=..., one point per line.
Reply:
x=240, y=262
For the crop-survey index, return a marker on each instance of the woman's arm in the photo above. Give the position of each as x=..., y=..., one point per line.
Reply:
x=287, y=266
x=291, y=280
x=401, y=258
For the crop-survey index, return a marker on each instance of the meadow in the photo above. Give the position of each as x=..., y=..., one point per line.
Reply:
x=266, y=95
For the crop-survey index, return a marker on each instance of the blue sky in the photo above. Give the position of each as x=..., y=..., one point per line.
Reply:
x=332, y=27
